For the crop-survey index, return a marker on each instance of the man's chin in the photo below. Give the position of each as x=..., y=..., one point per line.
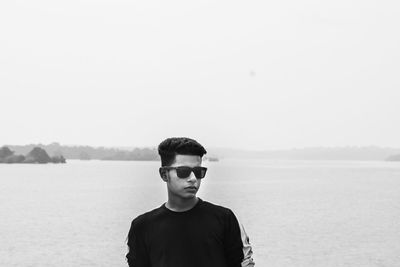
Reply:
x=189, y=196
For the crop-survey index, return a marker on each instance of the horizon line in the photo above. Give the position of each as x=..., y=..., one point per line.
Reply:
x=216, y=147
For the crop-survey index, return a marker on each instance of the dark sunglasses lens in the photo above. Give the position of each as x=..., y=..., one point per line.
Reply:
x=183, y=172
x=199, y=172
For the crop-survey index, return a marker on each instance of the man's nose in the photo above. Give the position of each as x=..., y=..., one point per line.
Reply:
x=192, y=177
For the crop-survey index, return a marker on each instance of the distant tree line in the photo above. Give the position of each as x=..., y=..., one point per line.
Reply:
x=36, y=155
x=135, y=154
x=88, y=152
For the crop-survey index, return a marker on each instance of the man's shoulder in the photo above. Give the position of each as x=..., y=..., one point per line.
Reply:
x=146, y=217
x=216, y=208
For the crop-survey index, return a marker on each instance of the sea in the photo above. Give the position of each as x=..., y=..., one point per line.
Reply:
x=296, y=213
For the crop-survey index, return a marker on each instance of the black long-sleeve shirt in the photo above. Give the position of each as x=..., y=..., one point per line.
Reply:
x=205, y=236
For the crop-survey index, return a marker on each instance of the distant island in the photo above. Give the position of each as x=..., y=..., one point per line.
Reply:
x=36, y=155
x=211, y=159
x=92, y=153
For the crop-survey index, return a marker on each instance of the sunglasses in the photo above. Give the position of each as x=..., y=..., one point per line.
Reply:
x=184, y=171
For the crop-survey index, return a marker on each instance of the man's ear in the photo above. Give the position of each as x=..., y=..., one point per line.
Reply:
x=163, y=174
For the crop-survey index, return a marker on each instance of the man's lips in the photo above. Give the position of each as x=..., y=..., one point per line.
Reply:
x=191, y=187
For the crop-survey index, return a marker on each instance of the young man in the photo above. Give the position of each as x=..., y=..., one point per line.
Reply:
x=186, y=231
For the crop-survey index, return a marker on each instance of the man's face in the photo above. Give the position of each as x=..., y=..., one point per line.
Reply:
x=184, y=188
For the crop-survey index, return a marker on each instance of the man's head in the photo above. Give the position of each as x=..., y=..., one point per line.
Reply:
x=181, y=169
x=170, y=147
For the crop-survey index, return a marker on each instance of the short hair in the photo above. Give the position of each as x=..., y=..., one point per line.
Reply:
x=173, y=146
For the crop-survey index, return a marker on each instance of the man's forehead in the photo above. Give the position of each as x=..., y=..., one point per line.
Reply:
x=187, y=159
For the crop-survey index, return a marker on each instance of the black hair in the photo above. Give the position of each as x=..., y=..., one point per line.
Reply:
x=173, y=146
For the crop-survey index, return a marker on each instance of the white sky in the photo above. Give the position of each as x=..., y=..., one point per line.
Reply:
x=243, y=74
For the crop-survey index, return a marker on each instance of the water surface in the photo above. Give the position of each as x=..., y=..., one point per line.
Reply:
x=297, y=213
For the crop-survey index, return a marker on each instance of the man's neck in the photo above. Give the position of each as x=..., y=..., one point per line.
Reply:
x=180, y=205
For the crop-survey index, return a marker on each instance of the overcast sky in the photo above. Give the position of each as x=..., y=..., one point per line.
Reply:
x=242, y=74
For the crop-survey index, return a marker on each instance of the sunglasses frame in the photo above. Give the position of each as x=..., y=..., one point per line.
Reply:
x=186, y=168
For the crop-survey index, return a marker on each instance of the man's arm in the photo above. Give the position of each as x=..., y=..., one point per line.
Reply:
x=137, y=253
x=238, y=251
x=247, y=249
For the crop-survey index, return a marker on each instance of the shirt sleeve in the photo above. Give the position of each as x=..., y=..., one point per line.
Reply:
x=237, y=247
x=137, y=255
x=247, y=249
